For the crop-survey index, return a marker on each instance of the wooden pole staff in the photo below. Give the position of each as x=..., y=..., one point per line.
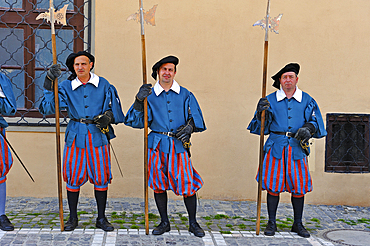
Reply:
x=262, y=135
x=57, y=125
x=59, y=16
x=149, y=18
x=145, y=120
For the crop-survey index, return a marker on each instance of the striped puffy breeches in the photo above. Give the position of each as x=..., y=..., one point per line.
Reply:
x=80, y=164
x=286, y=174
x=171, y=171
x=6, y=159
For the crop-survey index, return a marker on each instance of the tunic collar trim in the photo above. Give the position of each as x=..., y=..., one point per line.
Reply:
x=158, y=88
x=94, y=79
x=280, y=95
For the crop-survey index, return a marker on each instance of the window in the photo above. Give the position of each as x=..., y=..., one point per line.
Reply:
x=347, y=143
x=25, y=47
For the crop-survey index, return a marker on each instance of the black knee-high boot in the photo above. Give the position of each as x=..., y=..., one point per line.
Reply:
x=161, y=202
x=272, y=204
x=72, y=203
x=297, y=204
x=101, y=201
x=191, y=207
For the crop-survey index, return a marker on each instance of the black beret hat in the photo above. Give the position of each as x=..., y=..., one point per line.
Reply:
x=71, y=59
x=291, y=67
x=168, y=59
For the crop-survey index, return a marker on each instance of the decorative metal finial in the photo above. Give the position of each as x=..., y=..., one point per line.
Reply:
x=273, y=23
x=149, y=16
x=59, y=16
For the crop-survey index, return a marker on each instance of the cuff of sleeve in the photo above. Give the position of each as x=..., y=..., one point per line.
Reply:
x=138, y=105
x=311, y=127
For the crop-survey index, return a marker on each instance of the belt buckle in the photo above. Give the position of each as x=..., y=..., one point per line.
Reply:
x=82, y=121
x=289, y=134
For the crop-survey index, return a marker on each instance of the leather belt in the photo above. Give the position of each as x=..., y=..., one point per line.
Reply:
x=288, y=134
x=84, y=121
x=169, y=134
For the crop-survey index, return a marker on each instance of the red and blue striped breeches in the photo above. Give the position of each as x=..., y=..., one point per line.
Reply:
x=286, y=174
x=93, y=163
x=172, y=172
x=6, y=159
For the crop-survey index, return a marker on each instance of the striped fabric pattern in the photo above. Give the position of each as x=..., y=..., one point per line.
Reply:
x=81, y=164
x=6, y=159
x=172, y=172
x=286, y=174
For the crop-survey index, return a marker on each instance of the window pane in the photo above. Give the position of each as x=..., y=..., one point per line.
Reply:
x=11, y=46
x=17, y=79
x=58, y=4
x=64, y=42
x=11, y=4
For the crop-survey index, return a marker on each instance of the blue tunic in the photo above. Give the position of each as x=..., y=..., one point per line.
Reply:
x=166, y=112
x=8, y=106
x=288, y=115
x=85, y=102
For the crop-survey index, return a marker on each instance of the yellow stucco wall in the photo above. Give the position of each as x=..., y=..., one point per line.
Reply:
x=221, y=57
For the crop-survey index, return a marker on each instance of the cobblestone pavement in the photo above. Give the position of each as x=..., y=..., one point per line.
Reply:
x=225, y=222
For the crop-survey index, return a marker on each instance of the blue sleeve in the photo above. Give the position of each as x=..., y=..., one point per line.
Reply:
x=8, y=105
x=193, y=111
x=135, y=118
x=112, y=102
x=47, y=105
x=313, y=115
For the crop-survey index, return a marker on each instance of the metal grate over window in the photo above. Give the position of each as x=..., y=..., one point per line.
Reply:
x=347, y=143
x=26, y=53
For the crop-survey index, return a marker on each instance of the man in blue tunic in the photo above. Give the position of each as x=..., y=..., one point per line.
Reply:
x=292, y=118
x=173, y=115
x=8, y=106
x=93, y=105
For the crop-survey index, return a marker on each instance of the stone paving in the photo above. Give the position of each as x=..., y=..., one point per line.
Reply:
x=226, y=223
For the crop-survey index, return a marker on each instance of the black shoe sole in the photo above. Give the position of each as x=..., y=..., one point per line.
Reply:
x=105, y=229
x=7, y=229
x=198, y=235
x=157, y=234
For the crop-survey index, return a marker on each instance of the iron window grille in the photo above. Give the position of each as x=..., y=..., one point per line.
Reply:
x=347, y=143
x=26, y=53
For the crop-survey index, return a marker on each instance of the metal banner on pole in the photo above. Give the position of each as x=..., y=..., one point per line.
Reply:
x=149, y=18
x=273, y=25
x=59, y=16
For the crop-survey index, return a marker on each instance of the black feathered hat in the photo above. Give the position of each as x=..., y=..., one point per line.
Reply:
x=168, y=59
x=291, y=67
x=71, y=59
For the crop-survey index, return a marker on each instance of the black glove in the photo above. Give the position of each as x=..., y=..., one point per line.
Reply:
x=263, y=104
x=53, y=73
x=144, y=91
x=184, y=132
x=103, y=120
x=305, y=132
